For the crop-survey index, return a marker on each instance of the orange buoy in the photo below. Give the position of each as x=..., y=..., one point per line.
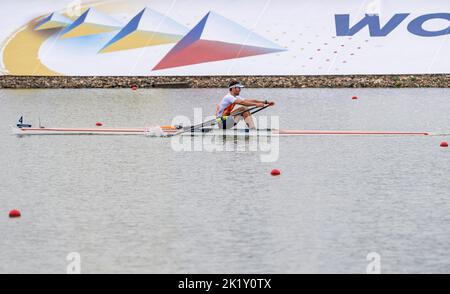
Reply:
x=444, y=144
x=275, y=172
x=99, y=124
x=14, y=213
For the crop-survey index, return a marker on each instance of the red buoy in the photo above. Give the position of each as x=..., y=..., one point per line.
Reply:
x=134, y=88
x=444, y=144
x=355, y=97
x=99, y=124
x=275, y=172
x=14, y=213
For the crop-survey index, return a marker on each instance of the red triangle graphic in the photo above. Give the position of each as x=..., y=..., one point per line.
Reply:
x=202, y=51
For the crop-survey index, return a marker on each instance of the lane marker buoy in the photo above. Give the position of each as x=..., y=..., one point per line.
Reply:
x=275, y=172
x=14, y=213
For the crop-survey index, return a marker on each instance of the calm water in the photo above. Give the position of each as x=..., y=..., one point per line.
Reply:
x=133, y=204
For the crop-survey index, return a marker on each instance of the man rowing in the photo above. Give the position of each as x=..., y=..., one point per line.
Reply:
x=228, y=117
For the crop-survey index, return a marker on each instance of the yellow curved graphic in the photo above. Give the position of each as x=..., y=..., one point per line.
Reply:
x=21, y=52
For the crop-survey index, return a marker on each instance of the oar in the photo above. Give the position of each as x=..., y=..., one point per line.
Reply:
x=262, y=108
x=214, y=121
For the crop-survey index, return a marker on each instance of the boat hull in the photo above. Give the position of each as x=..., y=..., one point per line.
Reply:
x=201, y=132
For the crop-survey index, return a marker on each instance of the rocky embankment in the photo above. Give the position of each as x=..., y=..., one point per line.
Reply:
x=353, y=81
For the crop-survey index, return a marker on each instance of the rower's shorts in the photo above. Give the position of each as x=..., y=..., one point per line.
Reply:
x=227, y=122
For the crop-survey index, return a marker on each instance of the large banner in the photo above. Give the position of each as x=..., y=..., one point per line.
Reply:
x=224, y=37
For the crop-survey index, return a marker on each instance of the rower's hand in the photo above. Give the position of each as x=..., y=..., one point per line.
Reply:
x=259, y=105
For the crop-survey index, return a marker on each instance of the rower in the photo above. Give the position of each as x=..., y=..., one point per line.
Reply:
x=225, y=109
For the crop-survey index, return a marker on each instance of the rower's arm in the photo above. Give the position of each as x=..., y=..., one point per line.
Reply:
x=253, y=102
x=249, y=102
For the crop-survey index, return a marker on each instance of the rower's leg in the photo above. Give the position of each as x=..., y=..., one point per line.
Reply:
x=247, y=117
x=249, y=120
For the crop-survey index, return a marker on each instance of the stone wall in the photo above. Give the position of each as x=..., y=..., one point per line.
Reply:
x=352, y=81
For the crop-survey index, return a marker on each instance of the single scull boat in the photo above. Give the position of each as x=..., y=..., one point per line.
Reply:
x=208, y=131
